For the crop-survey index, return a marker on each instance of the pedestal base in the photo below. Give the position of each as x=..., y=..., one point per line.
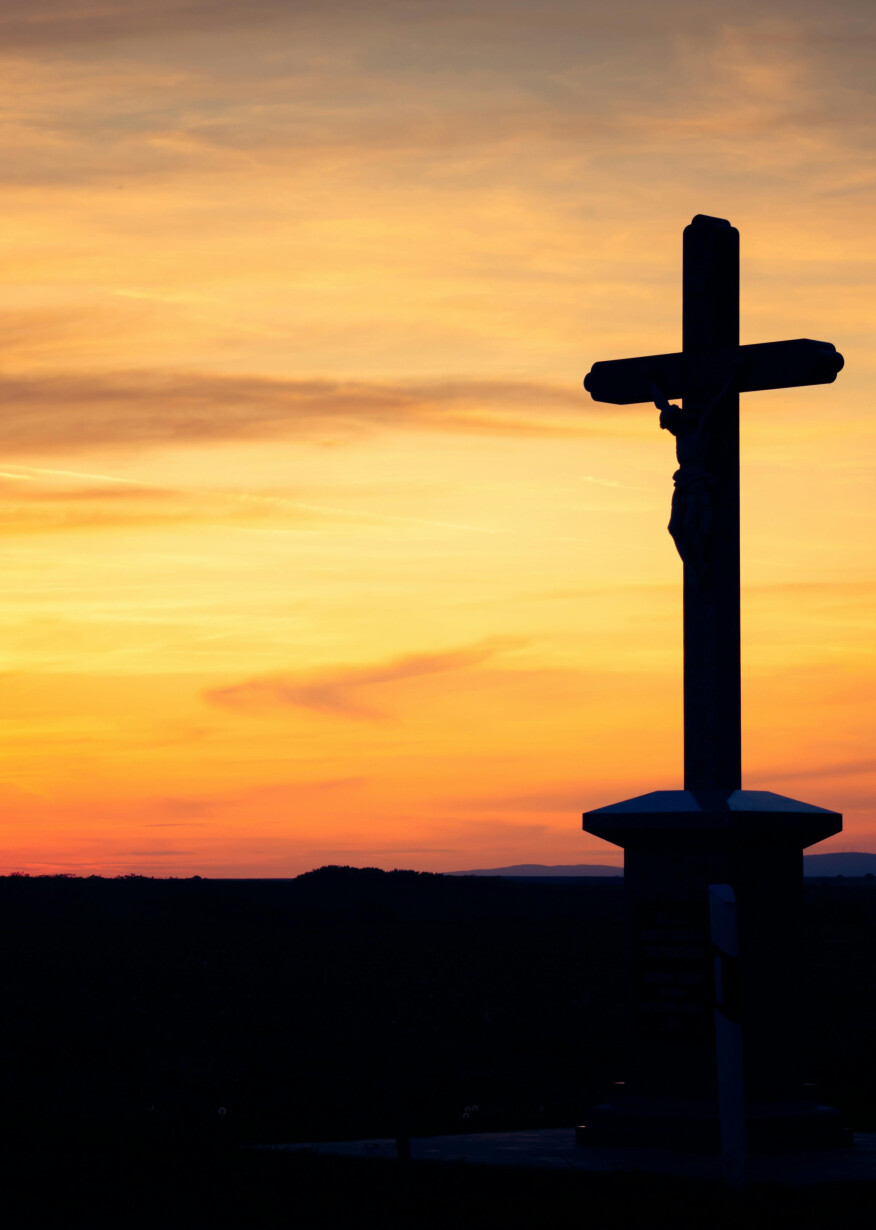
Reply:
x=666, y=1123
x=676, y=844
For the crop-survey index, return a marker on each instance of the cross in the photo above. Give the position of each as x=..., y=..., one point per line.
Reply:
x=709, y=374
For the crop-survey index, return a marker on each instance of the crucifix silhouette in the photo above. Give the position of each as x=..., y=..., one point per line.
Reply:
x=682, y=847
x=709, y=373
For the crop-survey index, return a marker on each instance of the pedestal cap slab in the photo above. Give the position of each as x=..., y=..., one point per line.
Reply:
x=706, y=818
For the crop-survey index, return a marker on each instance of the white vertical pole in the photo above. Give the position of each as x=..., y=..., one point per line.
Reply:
x=728, y=1033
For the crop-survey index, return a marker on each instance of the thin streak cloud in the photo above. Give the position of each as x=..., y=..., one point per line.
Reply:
x=74, y=412
x=337, y=690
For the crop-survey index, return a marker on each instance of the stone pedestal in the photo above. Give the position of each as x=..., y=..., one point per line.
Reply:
x=676, y=844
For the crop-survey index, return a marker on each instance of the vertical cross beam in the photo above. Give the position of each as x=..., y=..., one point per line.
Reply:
x=712, y=690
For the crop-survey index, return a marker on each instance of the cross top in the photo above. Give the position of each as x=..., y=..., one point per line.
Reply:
x=709, y=373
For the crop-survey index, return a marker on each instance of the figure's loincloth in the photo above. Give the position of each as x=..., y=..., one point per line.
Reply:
x=687, y=478
x=690, y=519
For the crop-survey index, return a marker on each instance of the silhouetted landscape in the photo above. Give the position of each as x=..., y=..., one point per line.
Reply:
x=176, y=1018
x=842, y=863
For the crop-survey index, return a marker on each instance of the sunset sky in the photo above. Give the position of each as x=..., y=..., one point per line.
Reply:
x=314, y=550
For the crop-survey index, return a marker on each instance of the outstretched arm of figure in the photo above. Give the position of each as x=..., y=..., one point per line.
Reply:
x=671, y=417
x=660, y=399
x=680, y=421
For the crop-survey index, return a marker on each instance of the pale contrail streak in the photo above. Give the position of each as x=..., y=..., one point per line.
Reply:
x=246, y=496
x=100, y=478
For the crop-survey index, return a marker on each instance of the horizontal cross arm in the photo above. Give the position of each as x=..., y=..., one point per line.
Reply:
x=768, y=365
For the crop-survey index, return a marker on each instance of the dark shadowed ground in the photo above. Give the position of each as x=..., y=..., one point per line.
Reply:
x=155, y=1026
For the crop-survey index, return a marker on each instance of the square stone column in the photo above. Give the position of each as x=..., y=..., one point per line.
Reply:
x=676, y=844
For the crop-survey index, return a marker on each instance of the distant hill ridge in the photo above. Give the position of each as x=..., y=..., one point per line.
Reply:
x=539, y=869
x=850, y=863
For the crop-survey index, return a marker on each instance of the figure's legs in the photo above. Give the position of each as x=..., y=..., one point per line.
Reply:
x=690, y=524
x=676, y=522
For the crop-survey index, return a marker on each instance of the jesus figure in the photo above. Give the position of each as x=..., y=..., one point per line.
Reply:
x=690, y=519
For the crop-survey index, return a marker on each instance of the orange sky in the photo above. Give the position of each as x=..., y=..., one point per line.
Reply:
x=313, y=548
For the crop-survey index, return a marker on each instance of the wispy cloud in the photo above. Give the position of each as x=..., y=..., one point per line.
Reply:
x=840, y=769
x=563, y=799
x=266, y=798
x=74, y=500
x=73, y=412
x=631, y=78
x=61, y=24
x=154, y=853
x=338, y=690
x=57, y=501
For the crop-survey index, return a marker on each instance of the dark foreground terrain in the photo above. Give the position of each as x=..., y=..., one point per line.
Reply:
x=125, y=1189
x=155, y=1027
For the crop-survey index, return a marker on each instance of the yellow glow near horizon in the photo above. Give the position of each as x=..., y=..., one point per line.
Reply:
x=314, y=549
